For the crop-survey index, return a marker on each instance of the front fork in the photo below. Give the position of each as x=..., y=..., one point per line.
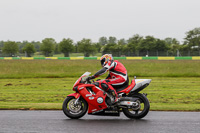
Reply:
x=76, y=101
x=75, y=95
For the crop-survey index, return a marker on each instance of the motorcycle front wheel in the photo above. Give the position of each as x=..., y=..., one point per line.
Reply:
x=74, y=111
x=141, y=110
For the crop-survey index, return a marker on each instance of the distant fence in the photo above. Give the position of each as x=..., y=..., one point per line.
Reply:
x=97, y=58
x=175, y=53
x=154, y=53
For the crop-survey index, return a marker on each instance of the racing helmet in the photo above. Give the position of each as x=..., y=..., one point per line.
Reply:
x=105, y=58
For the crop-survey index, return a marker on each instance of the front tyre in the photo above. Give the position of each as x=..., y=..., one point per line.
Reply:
x=74, y=111
x=141, y=110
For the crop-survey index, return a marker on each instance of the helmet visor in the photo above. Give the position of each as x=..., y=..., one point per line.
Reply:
x=102, y=61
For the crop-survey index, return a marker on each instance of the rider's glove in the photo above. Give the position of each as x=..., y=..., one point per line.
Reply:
x=90, y=77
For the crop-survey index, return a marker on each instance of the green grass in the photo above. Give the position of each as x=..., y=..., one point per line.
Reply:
x=74, y=68
x=44, y=84
x=165, y=93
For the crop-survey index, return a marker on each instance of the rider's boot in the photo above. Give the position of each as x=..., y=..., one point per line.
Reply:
x=111, y=91
x=114, y=96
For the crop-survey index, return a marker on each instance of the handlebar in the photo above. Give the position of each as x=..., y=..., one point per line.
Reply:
x=88, y=80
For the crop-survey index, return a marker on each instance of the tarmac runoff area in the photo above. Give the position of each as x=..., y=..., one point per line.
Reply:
x=12, y=121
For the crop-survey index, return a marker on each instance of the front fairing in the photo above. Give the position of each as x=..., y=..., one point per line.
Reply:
x=82, y=79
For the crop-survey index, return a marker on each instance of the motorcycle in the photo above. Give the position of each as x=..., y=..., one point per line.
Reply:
x=90, y=97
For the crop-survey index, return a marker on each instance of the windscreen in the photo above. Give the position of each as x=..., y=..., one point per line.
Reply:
x=85, y=75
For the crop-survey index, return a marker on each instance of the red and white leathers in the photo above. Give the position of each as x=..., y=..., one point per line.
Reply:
x=117, y=77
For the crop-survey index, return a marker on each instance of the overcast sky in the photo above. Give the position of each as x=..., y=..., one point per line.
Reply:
x=77, y=19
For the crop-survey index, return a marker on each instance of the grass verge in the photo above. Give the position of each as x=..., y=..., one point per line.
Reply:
x=74, y=68
x=164, y=93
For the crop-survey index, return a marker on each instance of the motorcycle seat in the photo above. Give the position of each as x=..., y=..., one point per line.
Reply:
x=121, y=88
x=125, y=87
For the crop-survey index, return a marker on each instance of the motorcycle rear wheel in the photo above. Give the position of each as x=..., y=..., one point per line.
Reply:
x=74, y=111
x=139, y=112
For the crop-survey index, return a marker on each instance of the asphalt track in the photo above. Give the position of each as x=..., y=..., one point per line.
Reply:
x=56, y=121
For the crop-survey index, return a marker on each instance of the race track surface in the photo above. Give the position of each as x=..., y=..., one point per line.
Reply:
x=56, y=121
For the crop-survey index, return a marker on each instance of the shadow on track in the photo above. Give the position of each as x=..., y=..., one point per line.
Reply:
x=107, y=121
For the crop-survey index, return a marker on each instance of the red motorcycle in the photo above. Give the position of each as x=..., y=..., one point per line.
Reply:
x=98, y=102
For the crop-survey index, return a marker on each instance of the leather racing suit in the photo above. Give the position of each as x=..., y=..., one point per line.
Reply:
x=117, y=77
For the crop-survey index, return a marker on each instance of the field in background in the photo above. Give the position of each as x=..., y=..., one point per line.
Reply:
x=44, y=84
x=75, y=68
x=48, y=93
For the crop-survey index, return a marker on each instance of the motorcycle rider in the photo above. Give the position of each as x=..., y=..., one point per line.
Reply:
x=117, y=77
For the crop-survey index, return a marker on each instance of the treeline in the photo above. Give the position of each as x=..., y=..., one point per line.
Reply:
x=134, y=46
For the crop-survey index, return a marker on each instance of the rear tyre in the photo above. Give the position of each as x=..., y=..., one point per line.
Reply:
x=140, y=111
x=74, y=111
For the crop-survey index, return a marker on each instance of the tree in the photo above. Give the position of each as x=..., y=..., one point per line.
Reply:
x=122, y=41
x=86, y=47
x=169, y=41
x=193, y=38
x=147, y=44
x=136, y=39
x=66, y=46
x=111, y=48
x=133, y=43
x=10, y=48
x=28, y=49
x=47, y=47
x=21, y=45
x=1, y=44
x=98, y=47
x=103, y=40
x=160, y=45
x=129, y=49
x=36, y=45
x=112, y=40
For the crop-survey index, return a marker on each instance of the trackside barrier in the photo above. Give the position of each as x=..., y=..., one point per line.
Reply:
x=183, y=58
x=90, y=58
x=76, y=58
x=134, y=58
x=166, y=58
x=26, y=58
x=64, y=58
x=51, y=58
x=150, y=58
x=39, y=57
x=119, y=58
x=98, y=58
x=196, y=58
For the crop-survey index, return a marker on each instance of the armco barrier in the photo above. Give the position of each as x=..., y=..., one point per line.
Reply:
x=166, y=58
x=16, y=58
x=134, y=58
x=149, y=58
x=64, y=58
x=98, y=58
x=119, y=58
x=39, y=57
x=51, y=58
x=183, y=58
x=196, y=58
x=76, y=58
x=26, y=58
x=90, y=58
